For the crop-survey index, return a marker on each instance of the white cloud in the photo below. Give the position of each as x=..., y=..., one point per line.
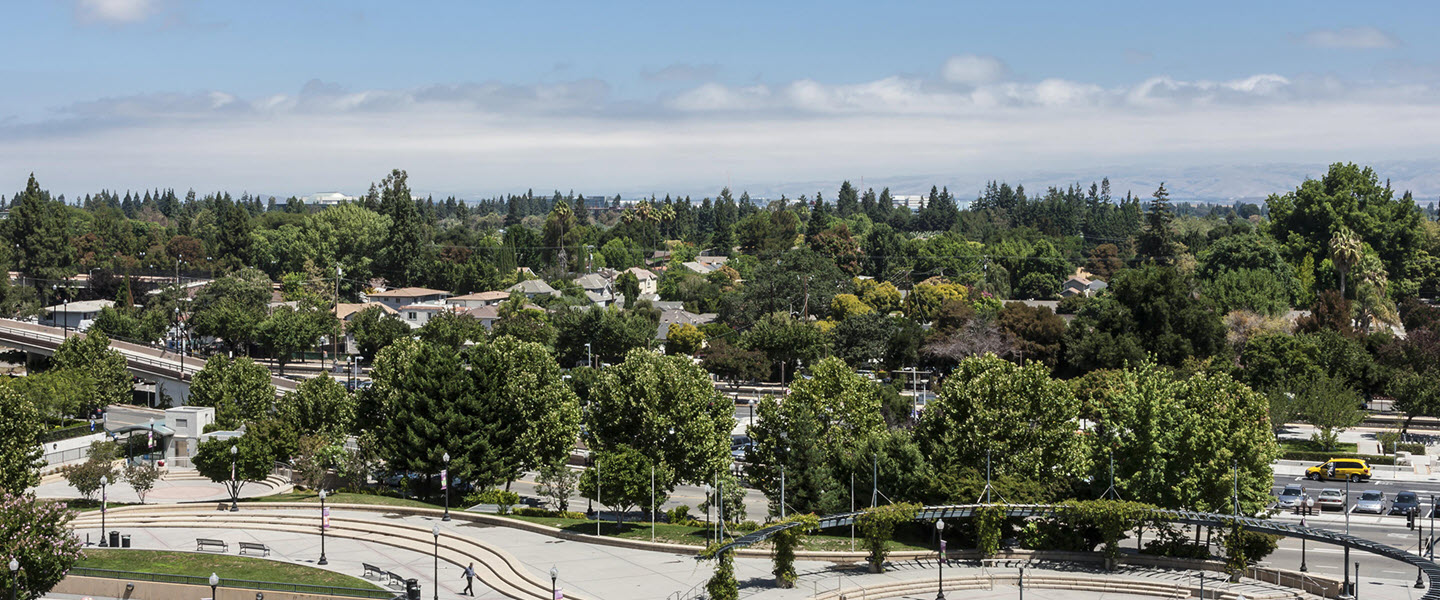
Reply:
x=1349, y=37
x=115, y=11
x=973, y=69
x=681, y=72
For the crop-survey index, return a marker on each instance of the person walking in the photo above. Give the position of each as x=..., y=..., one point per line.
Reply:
x=469, y=576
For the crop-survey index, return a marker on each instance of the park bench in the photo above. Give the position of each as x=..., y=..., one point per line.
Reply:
x=254, y=546
x=369, y=568
x=201, y=543
x=395, y=579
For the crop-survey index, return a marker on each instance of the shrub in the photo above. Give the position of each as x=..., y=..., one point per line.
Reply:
x=785, y=542
x=679, y=515
x=502, y=499
x=878, y=526
x=989, y=520
x=1320, y=457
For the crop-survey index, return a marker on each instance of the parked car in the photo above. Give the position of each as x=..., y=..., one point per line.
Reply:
x=1331, y=499
x=1291, y=497
x=1371, y=501
x=1405, y=502
x=1340, y=469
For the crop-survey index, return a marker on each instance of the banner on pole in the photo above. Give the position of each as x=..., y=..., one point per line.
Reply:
x=444, y=479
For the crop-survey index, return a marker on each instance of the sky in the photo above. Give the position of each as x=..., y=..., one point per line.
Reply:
x=483, y=98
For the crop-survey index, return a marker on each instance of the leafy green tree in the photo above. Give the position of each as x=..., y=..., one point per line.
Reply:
x=288, y=331
x=37, y=229
x=447, y=328
x=1157, y=242
x=1104, y=261
x=977, y=409
x=20, y=455
x=426, y=406
x=1147, y=310
x=252, y=461
x=666, y=407
x=400, y=260
x=1037, y=331
x=610, y=332
x=787, y=341
x=683, y=338
x=36, y=533
x=624, y=479
x=322, y=406
x=621, y=254
x=110, y=382
x=557, y=481
x=729, y=361
x=800, y=282
x=882, y=296
x=768, y=233
x=100, y=464
x=1330, y=406
x=1038, y=286
x=239, y=390
x=520, y=322
x=534, y=416
x=1249, y=272
x=926, y=299
x=374, y=330
x=141, y=477
x=628, y=285
x=865, y=340
x=231, y=308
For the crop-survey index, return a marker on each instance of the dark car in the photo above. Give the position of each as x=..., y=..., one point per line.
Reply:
x=1405, y=502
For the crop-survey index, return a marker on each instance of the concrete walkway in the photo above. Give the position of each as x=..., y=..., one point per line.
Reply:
x=177, y=485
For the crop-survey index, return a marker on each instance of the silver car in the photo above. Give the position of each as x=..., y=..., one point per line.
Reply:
x=1291, y=497
x=1371, y=501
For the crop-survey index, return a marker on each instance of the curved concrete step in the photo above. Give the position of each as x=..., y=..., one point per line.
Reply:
x=502, y=573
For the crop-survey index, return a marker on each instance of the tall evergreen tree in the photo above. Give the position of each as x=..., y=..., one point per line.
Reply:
x=848, y=201
x=1157, y=242
x=400, y=256
x=37, y=226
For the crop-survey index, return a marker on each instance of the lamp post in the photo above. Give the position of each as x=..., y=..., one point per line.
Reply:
x=554, y=573
x=445, y=485
x=435, y=530
x=324, y=523
x=940, y=531
x=708, y=490
x=589, y=357
x=15, y=576
x=104, y=500
x=234, y=483
x=1303, y=568
x=214, y=583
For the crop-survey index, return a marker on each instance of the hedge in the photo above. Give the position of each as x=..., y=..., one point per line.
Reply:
x=1320, y=457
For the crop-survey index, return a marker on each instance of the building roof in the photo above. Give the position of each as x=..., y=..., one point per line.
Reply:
x=641, y=274
x=84, y=306
x=409, y=292
x=712, y=260
x=533, y=286
x=435, y=307
x=482, y=296
x=489, y=311
x=699, y=267
x=684, y=317
x=346, y=310
x=592, y=281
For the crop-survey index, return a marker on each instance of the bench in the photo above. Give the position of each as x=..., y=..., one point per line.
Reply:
x=254, y=546
x=201, y=543
x=369, y=568
x=395, y=579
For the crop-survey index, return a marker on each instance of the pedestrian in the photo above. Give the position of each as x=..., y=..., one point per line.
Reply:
x=469, y=576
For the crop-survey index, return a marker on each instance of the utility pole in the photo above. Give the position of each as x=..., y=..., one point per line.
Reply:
x=335, y=337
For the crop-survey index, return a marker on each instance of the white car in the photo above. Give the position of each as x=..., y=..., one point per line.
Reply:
x=1371, y=501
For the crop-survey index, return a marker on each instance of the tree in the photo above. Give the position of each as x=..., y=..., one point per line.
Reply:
x=448, y=328
x=1249, y=272
x=142, y=478
x=610, y=333
x=683, y=338
x=729, y=361
x=561, y=237
x=558, y=482
x=534, y=416
x=37, y=229
x=1150, y=310
x=288, y=331
x=1330, y=406
x=625, y=479
x=666, y=407
x=100, y=464
x=251, y=462
x=1104, y=261
x=21, y=457
x=239, y=390
x=36, y=533
x=1157, y=242
x=722, y=585
x=110, y=381
x=787, y=341
x=801, y=282
x=882, y=296
x=399, y=260
x=425, y=406
x=1038, y=286
x=231, y=308
x=925, y=300
x=1037, y=331
x=784, y=549
x=322, y=406
x=628, y=285
x=373, y=330
x=976, y=412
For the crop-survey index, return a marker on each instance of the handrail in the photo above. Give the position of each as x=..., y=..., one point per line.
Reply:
x=299, y=588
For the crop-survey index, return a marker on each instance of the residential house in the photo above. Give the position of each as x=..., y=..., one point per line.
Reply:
x=74, y=315
x=479, y=299
x=487, y=314
x=410, y=296
x=679, y=317
x=417, y=315
x=532, y=288
x=598, y=289
x=648, y=280
x=1079, y=285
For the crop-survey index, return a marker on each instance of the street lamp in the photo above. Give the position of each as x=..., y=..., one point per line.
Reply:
x=234, y=483
x=435, y=530
x=445, y=484
x=324, y=522
x=15, y=577
x=708, y=490
x=589, y=357
x=940, y=531
x=214, y=583
x=104, y=499
x=554, y=573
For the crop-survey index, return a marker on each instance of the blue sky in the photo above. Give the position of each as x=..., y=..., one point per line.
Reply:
x=482, y=98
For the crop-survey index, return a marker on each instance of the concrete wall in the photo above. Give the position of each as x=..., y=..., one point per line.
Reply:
x=149, y=590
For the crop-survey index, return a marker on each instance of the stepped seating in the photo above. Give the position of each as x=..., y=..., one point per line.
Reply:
x=1077, y=582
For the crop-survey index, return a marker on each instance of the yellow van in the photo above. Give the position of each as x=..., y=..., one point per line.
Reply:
x=1340, y=469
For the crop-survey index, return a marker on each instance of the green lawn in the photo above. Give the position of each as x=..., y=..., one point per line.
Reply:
x=347, y=498
x=1310, y=446
x=700, y=536
x=228, y=566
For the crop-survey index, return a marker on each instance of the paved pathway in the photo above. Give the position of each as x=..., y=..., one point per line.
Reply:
x=181, y=485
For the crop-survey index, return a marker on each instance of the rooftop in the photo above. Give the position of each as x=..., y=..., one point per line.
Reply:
x=409, y=292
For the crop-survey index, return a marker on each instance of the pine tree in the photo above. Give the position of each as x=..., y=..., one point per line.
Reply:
x=847, y=201
x=1157, y=241
x=37, y=227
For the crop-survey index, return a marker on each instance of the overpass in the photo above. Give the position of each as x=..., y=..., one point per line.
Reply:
x=170, y=370
x=965, y=511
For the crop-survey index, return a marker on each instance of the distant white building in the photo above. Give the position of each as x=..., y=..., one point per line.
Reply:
x=402, y=297
x=328, y=198
x=74, y=315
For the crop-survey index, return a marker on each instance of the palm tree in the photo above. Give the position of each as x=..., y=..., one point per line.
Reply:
x=1346, y=250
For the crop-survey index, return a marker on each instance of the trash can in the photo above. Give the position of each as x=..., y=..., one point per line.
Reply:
x=125, y=541
x=412, y=589
x=114, y=539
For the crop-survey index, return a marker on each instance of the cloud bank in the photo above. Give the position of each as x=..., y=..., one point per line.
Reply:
x=482, y=138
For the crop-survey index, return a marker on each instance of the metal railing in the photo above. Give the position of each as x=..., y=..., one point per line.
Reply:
x=299, y=588
x=65, y=456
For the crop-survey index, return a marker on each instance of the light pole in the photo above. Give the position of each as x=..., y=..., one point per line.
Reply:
x=708, y=489
x=180, y=346
x=324, y=523
x=940, y=531
x=214, y=583
x=445, y=485
x=554, y=573
x=104, y=500
x=435, y=530
x=15, y=576
x=589, y=357
x=1345, y=590
x=1303, y=568
x=234, y=483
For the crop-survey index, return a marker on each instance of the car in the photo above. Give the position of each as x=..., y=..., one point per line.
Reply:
x=1405, y=502
x=1340, y=469
x=1291, y=497
x=1331, y=498
x=1371, y=501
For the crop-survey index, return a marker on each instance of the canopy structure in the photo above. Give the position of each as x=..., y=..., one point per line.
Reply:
x=159, y=432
